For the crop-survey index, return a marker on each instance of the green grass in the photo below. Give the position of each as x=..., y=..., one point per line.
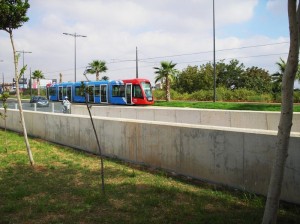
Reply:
x=64, y=186
x=225, y=105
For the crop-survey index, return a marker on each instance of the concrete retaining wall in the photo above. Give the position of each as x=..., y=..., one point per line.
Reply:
x=227, y=118
x=240, y=158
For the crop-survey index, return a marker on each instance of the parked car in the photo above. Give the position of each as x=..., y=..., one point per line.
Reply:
x=40, y=101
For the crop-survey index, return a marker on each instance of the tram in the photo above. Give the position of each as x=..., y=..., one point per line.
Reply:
x=121, y=92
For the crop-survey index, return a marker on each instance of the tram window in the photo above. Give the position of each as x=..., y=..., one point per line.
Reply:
x=103, y=90
x=78, y=91
x=64, y=91
x=118, y=90
x=52, y=91
x=137, y=91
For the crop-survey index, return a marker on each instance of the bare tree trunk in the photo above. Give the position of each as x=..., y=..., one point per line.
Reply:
x=98, y=143
x=286, y=117
x=19, y=102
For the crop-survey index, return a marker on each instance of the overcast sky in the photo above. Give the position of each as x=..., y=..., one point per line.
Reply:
x=253, y=31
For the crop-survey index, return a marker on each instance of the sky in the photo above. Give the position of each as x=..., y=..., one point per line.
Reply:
x=253, y=31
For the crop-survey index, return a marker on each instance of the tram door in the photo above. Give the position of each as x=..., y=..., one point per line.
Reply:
x=91, y=94
x=103, y=93
x=128, y=90
x=69, y=93
x=60, y=93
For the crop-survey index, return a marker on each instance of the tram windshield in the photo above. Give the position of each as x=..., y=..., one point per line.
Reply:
x=147, y=89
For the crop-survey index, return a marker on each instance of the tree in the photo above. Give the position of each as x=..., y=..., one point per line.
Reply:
x=38, y=74
x=229, y=75
x=186, y=81
x=206, y=76
x=96, y=67
x=166, y=73
x=194, y=78
x=85, y=91
x=60, y=78
x=286, y=116
x=105, y=78
x=256, y=79
x=277, y=77
x=12, y=16
x=3, y=97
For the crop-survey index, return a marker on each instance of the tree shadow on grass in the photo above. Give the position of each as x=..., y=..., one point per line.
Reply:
x=52, y=194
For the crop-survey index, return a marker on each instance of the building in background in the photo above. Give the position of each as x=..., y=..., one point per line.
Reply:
x=22, y=83
x=43, y=83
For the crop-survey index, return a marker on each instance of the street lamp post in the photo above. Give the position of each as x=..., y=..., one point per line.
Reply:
x=3, y=79
x=136, y=63
x=24, y=52
x=75, y=35
x=215, y=97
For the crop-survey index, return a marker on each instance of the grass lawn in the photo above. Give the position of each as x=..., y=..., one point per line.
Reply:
x=225, y=105
x=65, y=187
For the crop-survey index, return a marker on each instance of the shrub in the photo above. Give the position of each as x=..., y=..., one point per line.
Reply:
x=175, y=95
x=202, y=95
x=159, y=94
x=296, y=96
x=277, y=97
x=261, y=98
x=224, y=94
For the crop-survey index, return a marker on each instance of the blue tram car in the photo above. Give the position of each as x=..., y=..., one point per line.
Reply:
x=129, y=92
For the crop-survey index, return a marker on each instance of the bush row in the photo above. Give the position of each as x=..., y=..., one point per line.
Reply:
x=223, y=94
x=28, y=92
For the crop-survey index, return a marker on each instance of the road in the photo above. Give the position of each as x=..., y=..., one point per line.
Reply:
x=12, y=103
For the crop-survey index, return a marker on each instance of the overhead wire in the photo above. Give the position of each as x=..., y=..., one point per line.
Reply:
x=225, y=49
x=145, y=60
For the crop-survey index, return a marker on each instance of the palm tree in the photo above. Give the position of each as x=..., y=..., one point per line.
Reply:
x=96, y=67
x=38, y=74
x=297, y=77
x=277, y=77
x=166, y=73
x=105, y=78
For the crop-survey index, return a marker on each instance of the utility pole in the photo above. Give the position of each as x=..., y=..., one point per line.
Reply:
x=3, y=82
x=75, y=36
x=136, y=63
x=30, y=85
x=215, y=97
x=23, y=52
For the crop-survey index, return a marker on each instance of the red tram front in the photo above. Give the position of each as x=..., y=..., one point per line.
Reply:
x=138, y=91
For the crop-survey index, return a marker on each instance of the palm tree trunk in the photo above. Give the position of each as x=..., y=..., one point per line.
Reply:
x=38, y=83
x=19, y=102
x=168, y=96
x=97, y=76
